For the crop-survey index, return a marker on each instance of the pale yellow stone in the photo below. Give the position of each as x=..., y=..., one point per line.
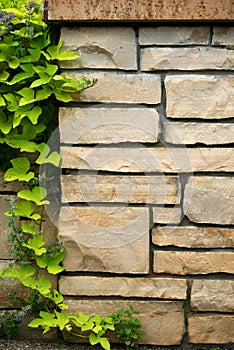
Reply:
x=142, y=159
x=187, y=96
x=121, y=189
x=107, y=239
x=192, y=133
x=165, y=288
x=108, y=125
x=215, y=329
x=100, y=47
x=212, y=295
x=173, y=35
x=167, y=215
x=193, y=237
x=210, y=199
x=183, y=263
x=223, y=36
x=121, y=88
x=196, y=58
x=162, y=321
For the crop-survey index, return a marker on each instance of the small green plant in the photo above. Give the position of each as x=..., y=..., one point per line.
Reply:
x=9, y=323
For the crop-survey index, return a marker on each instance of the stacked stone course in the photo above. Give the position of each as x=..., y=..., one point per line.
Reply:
x=147, y=188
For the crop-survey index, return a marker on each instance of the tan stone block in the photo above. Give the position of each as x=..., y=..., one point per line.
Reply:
x=167, y=215
x=121, y=189
x=4, y=228
x=192, y=263
x=196, y=58
x=193, y=237
x=212, y=295
x=121, y=88
x=215, y=329
x=163, y=321
x=223, y=36
x=142, y=159
x=108, y=125
x=164, y=288
x=209, y=199
x=173, y=35
x=107, y=239
x=100, y=47
x=192, y=133
x=187, y=97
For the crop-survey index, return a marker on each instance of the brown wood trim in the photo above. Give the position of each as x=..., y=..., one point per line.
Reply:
x=141, y=10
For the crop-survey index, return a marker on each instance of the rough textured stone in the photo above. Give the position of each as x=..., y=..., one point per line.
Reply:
x=173, y=35
x=212, y=295
x=107, y=239
x=122, y=189
x=210, y=199
x=223, y=36
x=192, y=133
x=142, y=159
x=100, y=47
x=194, y=237
x=167, y=215
x=215, y=329
x=108, y=125
x=187, y=96
x=106, y=10
x=11, y=186
x=122, y=88
x=196, y=58
x=165, y=288
x=183, y=263
x=163, y=321
x=4, y=228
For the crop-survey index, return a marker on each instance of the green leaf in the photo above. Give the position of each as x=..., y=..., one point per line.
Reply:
x=54, y=263
x=28, y=72
x=105, y=343
x=27, y=228
x=43, y=94
x=24, y=209
x=4, y=76
x=37, y=195
x=5, y=123
x=23, y=145
x=2, y=102
x=47, y=157
x=42, y=260
x=19, y=171
x=93, y=339
x=21, y=273
x=36, y=244
x=14, y=62
x=27, y=96
x=62, y=96
x=42, y=285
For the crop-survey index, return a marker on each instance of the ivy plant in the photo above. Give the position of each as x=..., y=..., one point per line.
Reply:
x=30, y=81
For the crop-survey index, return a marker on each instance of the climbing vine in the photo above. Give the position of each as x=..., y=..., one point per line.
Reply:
x=30, y=81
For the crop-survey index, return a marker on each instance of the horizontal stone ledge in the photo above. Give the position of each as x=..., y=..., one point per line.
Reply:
x=120, y=88
x=223, y=36
x=187, y=96
x=108, y=125
x=193, y=237
x=188, y=133
x=167, y=215
x=171, y=35
x=196, y=58
x=193, y=263
x=169, y=10
x=105, y=239
x=164, y=288
x=142, y=159
x=210, y=199
x=162, y=321
x=216, y=329
x=212, y=295
x=100, y=47
x=121, y=189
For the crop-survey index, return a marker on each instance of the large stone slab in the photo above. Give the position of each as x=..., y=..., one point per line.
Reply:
x=121, y=88
x=192, y=133
x=100, y=47
x=108, y=125
x=215, y=329
x=212, y=295
x=196, y=58
x=163, y=288
x=209, y=199
x=192, y=263
x=187, y=96
x=121, y=189
x=142, y=160
x=193, y=237
x=223, y=36
x=164, y=35
x=162, y=321
x=106, y=239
